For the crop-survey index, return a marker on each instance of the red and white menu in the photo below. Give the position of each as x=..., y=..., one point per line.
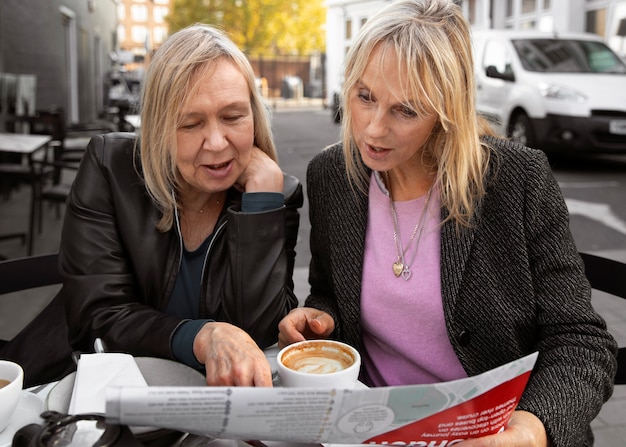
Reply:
x=418, y=415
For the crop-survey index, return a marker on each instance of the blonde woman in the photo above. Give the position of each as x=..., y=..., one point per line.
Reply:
x=180, y=244
x=440, y=251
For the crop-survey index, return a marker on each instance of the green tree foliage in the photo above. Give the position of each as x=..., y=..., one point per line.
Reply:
x=258, y=27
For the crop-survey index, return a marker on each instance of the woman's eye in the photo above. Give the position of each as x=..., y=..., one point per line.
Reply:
x=365, y=97
x=189, y=125
x=407, y=112
x=232, y=118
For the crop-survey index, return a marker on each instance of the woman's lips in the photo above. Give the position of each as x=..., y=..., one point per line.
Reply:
x=219, y=170
x=376, y=152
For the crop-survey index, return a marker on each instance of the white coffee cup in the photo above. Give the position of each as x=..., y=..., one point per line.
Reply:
x=11, y=383
x=318, y=364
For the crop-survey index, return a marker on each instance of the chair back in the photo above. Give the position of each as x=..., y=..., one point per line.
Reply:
x=42, y=347
x=29, y=272
x=609, y=276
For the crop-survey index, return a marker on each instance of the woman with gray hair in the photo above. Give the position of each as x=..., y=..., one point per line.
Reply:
x=181, y=244
x=441, y=251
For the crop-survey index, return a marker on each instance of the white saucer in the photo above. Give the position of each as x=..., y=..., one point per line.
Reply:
x=28, y=410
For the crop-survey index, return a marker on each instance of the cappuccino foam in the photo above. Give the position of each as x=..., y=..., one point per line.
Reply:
x=317, y=360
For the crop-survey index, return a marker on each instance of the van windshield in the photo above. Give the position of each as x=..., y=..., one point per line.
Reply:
x=567, y=56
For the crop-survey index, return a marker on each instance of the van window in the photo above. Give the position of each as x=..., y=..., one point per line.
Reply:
x=497, y=55
x=567, y=56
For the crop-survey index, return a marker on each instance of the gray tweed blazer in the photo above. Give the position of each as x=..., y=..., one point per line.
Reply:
x=511, y=285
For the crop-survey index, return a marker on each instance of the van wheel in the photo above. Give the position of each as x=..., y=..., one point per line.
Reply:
x=521, y=130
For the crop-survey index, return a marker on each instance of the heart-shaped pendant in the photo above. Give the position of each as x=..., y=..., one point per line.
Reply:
x=397, y=268
x=406, y=273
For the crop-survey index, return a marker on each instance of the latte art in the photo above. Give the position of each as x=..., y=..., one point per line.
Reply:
x=318, y=365
x=318, y=359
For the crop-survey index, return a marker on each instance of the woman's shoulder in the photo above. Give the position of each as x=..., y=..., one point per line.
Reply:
x=113, y=143
x=113, y=152
x=514, y=158
x=510, y=150
x=329, y=156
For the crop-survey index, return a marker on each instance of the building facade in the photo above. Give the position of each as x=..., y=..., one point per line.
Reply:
x=606, y=18
x=63, y=48
x=142, y=28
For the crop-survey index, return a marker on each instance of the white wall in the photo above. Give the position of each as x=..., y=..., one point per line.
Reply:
x=337, y=13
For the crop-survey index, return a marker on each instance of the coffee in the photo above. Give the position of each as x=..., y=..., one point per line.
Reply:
x=318, y=359
x=4, y=382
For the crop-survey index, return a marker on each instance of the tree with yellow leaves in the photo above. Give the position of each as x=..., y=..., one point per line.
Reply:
x=258, y=27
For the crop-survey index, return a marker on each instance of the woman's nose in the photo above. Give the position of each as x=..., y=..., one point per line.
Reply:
x=377, y=124
x=214, y=138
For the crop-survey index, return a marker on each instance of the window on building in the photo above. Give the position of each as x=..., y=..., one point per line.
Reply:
x=509, y=8
x=160, y=34
x=348, y=30
x=159, y=13
x=139, y=13
x=596, y=21
x=138, y=34
x=546, y=4
x=529, y=6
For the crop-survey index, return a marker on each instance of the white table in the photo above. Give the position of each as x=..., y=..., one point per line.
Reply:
x=27, y=145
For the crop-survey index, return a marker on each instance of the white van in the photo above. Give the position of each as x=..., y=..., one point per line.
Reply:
x=558, y=93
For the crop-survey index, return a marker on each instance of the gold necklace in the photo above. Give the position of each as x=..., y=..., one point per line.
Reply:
x=201, y=210
x=400, y=266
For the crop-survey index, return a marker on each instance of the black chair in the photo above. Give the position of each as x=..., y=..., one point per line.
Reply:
x=609, y=276
x=51, y=189
x=29, y=273
x=42, y=347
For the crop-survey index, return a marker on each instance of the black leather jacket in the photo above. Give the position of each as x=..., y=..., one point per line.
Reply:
x=119, y=270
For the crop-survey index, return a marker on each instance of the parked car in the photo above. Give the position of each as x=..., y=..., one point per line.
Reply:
x=558, y=93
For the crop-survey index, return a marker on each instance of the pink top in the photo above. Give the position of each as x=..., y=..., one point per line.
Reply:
x=403, y=324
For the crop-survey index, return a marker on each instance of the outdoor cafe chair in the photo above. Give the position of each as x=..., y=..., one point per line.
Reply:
x=42, y=346
x=609, y=276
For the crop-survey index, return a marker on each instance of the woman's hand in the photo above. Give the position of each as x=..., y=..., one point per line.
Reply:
x=304, y=323
x=231, y=357
x=261, y=175
x=524, y=429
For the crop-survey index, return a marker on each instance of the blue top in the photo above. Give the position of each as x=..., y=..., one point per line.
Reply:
x=185, y=299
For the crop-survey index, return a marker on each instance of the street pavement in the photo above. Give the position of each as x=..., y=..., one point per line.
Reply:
x=301, y=128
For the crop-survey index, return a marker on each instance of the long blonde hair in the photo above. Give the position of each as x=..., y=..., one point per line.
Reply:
x=433, y=46
x=166, y=89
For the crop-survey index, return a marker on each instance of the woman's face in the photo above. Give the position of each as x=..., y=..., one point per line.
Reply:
x=216, y=134
x=388, y=133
